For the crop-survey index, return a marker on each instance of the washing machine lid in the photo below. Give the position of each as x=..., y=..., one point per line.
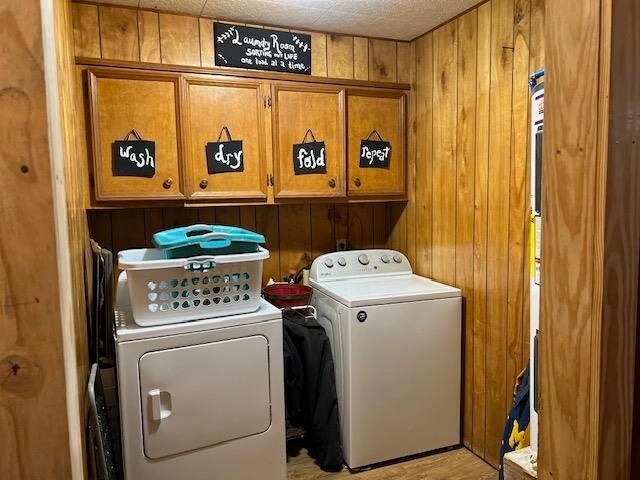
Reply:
x=383, y=290
x=127, y=329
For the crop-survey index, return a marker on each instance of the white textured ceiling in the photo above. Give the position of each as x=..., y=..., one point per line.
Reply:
x=396, y=19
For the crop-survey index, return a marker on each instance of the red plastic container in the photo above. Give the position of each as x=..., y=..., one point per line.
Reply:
x=287, y=295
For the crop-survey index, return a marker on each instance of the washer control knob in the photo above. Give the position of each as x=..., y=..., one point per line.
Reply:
x=341, y=261
x=329, y=263
x=397, y=258
x=363, y=259
x=385, y=258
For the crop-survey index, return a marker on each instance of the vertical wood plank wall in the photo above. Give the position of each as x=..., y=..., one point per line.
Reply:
x=468, y=214
x=591, y=242
x=42, y=344
x=76, y=172
x=295, y=233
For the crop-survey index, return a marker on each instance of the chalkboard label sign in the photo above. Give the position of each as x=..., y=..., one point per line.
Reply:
x=224, y=157
x=309, y=157
x=374, y=153
x=261, y=49
x=133, y=158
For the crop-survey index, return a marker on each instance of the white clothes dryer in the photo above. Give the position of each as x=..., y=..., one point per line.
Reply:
x=396, y=341
x=203, y=399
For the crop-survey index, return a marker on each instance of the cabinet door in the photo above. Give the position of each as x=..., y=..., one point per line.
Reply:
x=147, y=102
x=384, y=112
x=296, y=109
x=238, y=105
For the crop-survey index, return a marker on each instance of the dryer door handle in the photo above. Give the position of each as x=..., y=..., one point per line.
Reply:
x=160, y=403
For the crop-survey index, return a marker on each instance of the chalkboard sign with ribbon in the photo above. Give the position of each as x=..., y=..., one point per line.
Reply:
x=309, y=157
x=226, y=156
x=374, y=153
x=134, y=158
x=261, y=49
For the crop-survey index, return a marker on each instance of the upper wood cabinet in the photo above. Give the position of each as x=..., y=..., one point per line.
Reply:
x=297, y=108
x=121, y=101
x=238, y=105
x=384, y=112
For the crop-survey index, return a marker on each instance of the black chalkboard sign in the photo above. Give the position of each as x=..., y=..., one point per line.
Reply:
x=224, y=157
x=374, y=153
x=133, y=158
x=309, y=157
x=261, y=49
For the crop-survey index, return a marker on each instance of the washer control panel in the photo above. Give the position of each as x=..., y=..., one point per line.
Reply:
x=355, y=263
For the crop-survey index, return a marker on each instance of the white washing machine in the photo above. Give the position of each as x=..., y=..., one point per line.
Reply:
x=396, y=341
x=203, y=399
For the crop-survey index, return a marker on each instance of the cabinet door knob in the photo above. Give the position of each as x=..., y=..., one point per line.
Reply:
x=204, y=183
x=167, y=183
x=357, y=182
x=332, y=183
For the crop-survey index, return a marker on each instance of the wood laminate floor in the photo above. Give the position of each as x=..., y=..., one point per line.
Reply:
x=458, y=464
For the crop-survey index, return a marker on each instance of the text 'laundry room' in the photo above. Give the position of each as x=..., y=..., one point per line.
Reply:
x=319, y=239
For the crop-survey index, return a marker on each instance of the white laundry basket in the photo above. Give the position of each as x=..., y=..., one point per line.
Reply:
x=177, y=290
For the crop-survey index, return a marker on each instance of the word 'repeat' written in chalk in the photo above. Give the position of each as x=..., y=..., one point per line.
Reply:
x=374, y=154
x=261, y=49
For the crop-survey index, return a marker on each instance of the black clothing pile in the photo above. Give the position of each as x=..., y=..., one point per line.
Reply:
x=310, y=388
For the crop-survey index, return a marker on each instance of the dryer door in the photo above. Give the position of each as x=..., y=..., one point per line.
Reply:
x=201, y=395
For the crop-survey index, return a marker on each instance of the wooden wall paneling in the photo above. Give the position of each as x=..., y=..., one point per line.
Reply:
x=173, y=217
x=498, y=222
x=569, y=297
x=295, y=237
x=119, y=33
x=537, y=43
x=207, y=49
x=207, y=215
x=480, y=233
x=100, y=227
x=397, y=226
x=635, y=435
x=340, y=58
x=382, y=60
x=128, y=229
x=341, y=222
x=424, y=154
x=153, y=223
x=86, y=31
x=38, y=363
x=380, y=232
x=149, y=36
x=360, y=58
x=519, y=202
x=361, y=234
x=78, y=266
x=411, y=150
x=318, y=54
x=228, y=216
x=444, y=152
x=179, y=39
x=404, y=59
x=248, y=218
x=267, y=223
x=82, y=140
x=322, y=229
x=465, y=173
x=619, y=91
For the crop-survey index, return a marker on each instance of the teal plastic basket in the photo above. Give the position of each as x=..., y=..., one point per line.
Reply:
x=202, y=239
